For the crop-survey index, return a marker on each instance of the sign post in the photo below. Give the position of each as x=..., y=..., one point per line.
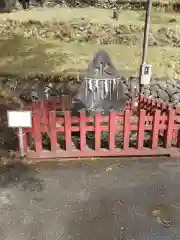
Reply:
x=145, y=44
x=21, y=143
x=146, y=74
x=20, y=119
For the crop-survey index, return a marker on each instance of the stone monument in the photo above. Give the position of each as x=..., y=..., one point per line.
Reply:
x=101, y=89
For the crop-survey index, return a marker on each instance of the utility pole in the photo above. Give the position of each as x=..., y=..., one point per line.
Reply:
x=145, y=43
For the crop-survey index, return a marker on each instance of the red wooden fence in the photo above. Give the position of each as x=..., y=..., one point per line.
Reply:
x=154, y=129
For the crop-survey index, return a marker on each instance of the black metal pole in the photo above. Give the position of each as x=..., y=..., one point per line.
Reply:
x=145, y=41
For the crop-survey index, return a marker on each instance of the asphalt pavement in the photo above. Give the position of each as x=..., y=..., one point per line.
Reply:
x=105, y=199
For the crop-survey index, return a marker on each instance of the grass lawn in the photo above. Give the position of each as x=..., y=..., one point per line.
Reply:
x=95, y=15
x=22, y=56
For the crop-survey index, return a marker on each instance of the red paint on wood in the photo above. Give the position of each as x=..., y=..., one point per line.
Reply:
x=178, y=138
x=127, y=115
x=67, y=128
x=152, y=111
x=112, y=130
x=52, y=129
x=155, y=129
x=123, y=153
x=141, y=126
x=37, y=132
x=169, y=130
x=177, y=110
x=82, y=131
x=97, y=131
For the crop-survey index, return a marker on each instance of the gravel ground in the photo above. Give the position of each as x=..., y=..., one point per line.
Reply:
x=92, y=200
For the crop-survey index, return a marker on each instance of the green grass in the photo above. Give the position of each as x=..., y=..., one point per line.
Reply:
x=22, y=56
x=94, y=15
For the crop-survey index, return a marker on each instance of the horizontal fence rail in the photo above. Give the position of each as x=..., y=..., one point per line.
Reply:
x=151, y=129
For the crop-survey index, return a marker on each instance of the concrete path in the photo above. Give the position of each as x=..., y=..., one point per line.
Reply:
x=107, y=199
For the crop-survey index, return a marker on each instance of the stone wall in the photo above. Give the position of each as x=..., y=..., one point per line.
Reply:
x=113, y=3
x=165, y=89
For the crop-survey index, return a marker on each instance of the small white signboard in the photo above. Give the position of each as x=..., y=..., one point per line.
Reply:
x=19, y=119
x=146, y=74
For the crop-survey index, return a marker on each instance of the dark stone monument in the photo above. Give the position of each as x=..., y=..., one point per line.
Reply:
x=101, y=89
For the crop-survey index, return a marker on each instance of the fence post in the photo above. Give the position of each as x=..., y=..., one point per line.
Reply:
x=141, y=101
x=67, y=128
x=37, y=132
x=178, y=138
x=156, y=104
x=141, y=123
x=127, y=115
x=169, y=130
x=97, y=131
x=25, y=142
x=82, y=131
x=155, y=129
x=42, y=108
x=161, y=107
x=153, y=105
x=112, y=130
x=148, y=107
x=52, y=129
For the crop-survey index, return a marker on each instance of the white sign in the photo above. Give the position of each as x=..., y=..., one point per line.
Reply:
x=146, y=74
x=19, y=119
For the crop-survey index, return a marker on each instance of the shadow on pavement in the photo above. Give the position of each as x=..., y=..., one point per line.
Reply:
x=15, y=174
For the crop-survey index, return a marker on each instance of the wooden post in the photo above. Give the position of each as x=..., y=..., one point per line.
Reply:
x=169, y=130
x=112, y=130
x=127, y=115
x=67, y=126
x=141, y=125
x=52, y=129
x=97, y=131
x=155, y=129
x=82, y=131
x=37, y=132
x=22, y=131
x=145, y=41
